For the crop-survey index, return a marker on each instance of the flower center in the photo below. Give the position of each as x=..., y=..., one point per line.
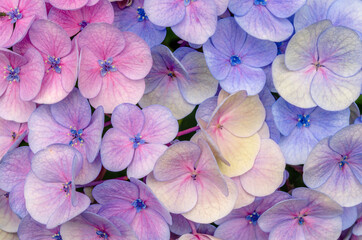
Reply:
x=102, y=234
x=139, y=205
x=260, y=2
x=57, y=236
x=82, y=25
x=13, y=74
x=253, y=218
x=317, y=65
x=137, y=140
x=187, y=2
x=77, y=136
x=301, y=221
x=343, y=162
x=54, y=63
x=14, y=15
x=6, y=195
x=13, y=135
x=66, y=188
x=303, y=121
x=235, y=60
x=106, y=66
x=142, y=16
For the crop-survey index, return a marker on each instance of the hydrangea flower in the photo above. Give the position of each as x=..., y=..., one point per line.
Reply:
x=138, y=138
x=9, y=221
x=302, y=128
x=265, y=19
x=71, y=4
x=340, y=12
x=91, y=226
x=74, y=21
x=20, y=82
x=134, y=19
x=334, y=166
x=134, y=203
x=321, y=66
x=11, y=135
x=235, y=58
x=17, y=17
x=60, y=56
x=70, y=122
x=49, y=190
x=193, y=21
x=113, y=65
x=14, y=168
x=242, y=223
x=31, y=229
x=178, y=81
x=309, y=215
x=187, y=180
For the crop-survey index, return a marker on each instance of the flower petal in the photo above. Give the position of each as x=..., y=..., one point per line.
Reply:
x=165, y=12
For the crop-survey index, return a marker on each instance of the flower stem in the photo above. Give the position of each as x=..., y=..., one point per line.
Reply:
x=187, y=131
x=107, y=123
x=192, y=225
x=95, y=183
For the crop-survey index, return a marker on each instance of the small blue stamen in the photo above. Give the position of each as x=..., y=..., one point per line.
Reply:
x=6, y=195
x=57, y=236
x=54, y=63
x=106, y=66
x=260, y=2
x=102, y=234
x=82, y=25
x=137, y=140
x=253, y=218
x=343, y=162
x=13, y=74
x=15, y=15
x=77, y=136
x=139, y=205
x=235, y=60
x=301, y=221
x=142, y=16
x=303, y=121
x=67, y=187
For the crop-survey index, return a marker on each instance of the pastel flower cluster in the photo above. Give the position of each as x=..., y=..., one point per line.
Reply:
x=180, y=119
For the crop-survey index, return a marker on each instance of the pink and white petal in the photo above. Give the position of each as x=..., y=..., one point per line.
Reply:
x=343, y=54
x=144, y=159
x=293, y=86
x=179, y=195
x=302, y=49
x=73, y=111
x=165, y=12
x=128, y=118
x=31, y=75
x=102, y=11
x=320, y=164
x=42, y=198
x=260, y=23
x=199, y=22
x=201, y=84
x=12, y=107
x=92, y=135
x=56, y=163
x=178, y=160
x=212, y=204
x=287, y=230
x=69, y=65
x=284, y=8
x=17, y=200
x=322, y=228
x=44, y=130
x=240, y=115
x=149, y=225
x=115, y=190
x=68, y=20
x=21, y=28
x=9, y=221
x=103, y=39
x=14, y=58
x=92, y=2
x=167, y=94
x=244, y=198
x=117, y=89
x=266, y=174
x=221, y=6
x=50, y=38
x=334, y=93
x=22, y=46
x=135, y=60
x=343, y=187
x=257, y=53
x=89, y=171
x=90, y=78
x=160, y=125
x=116, y=150
x=68, y=4
x=8, y=236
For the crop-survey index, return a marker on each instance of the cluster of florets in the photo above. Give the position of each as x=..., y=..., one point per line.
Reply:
x=180, y=119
